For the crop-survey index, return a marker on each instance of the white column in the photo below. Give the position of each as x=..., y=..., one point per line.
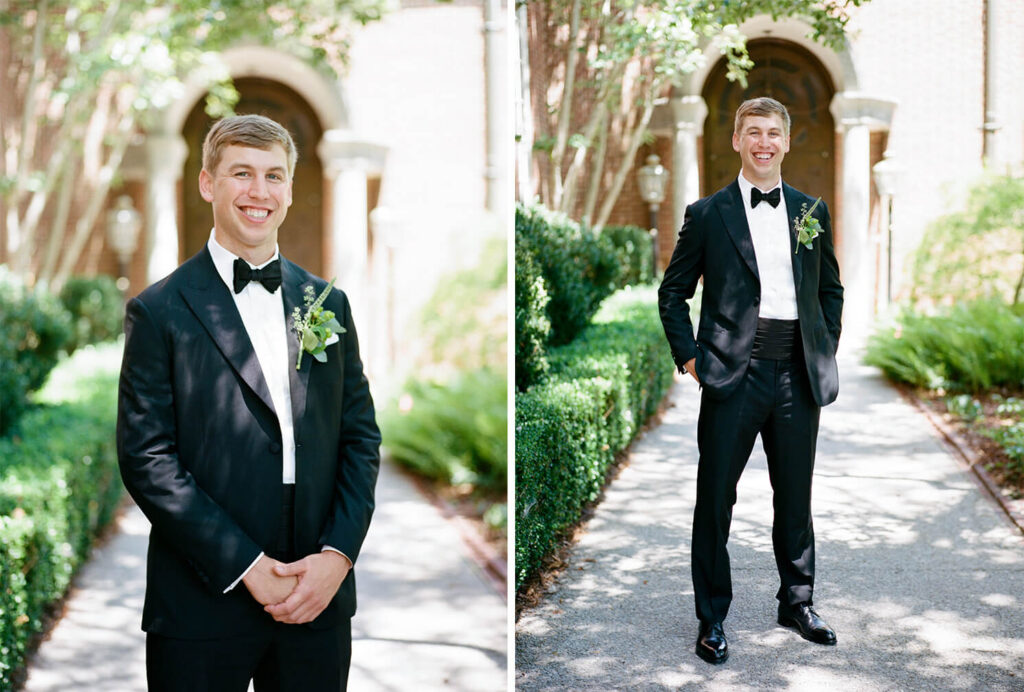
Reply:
x=855, y=116
x=165, y=157
x=347, y=161
x=688, y=113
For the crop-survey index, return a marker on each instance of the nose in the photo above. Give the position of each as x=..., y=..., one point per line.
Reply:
x=258, y=187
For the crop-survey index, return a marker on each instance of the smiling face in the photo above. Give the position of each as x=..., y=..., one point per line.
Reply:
x=762, y=143
x=250, y=191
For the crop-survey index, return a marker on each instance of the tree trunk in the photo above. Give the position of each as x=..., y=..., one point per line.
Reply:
x=565, y=109
x=635, y=139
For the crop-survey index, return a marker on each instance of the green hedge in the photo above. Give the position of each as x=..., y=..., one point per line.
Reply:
x=601, y=389
x=34, y=327
x=59, y=486
x=971, y=347
x=97, y=310
x=532, y=324
x=635, y=251
x=580, y=269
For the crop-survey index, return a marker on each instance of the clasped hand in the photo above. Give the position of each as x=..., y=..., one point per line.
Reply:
x=297, y=592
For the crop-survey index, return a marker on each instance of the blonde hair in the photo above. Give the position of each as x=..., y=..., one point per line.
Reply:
x=763, y=106
x=254, y=131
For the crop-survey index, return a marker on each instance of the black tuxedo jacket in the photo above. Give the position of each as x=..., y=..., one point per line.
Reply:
x=715, y=243
x=200, y=449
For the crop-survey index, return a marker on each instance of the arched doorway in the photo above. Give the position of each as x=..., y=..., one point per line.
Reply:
x=301, y=236
x=793, y=76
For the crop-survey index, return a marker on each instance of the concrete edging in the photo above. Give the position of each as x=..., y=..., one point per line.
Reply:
x=968, y=457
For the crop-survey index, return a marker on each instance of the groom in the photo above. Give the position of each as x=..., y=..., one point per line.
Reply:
x=257, y=477
x=764, y=357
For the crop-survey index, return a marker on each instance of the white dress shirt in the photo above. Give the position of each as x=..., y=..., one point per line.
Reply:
x=262, y=314
x=769, y=230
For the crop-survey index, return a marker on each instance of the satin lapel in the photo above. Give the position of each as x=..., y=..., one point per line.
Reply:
x=730, y=206
x=210, y=300
x=298, y=380
x=793, y=201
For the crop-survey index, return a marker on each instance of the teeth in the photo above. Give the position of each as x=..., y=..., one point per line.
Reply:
x=256, y=213
x=763, y=157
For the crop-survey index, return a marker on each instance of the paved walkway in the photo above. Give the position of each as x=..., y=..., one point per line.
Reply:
x=919, y=572
x=428, y=618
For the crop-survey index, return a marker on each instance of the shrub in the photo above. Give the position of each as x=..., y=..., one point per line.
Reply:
x=977, y=252
x=601, y=389
x=971, y=347
x=580, y=269
x=97, y=309
x=33, y=329
x=57, y=492
x=635, y=251
x=532, y=324
x=455, y=433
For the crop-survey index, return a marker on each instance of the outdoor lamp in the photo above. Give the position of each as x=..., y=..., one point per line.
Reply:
x=652, y=179
x=123, y=225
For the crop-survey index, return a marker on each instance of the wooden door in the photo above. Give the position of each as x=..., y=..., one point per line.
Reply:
x=301, y=235
x=794, y=77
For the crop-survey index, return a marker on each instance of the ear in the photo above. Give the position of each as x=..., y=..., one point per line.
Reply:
x=785, y=145
x=206, y=185
x=736, y=142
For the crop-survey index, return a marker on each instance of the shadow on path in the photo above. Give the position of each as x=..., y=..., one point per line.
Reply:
x=919, y=572
x=428, y=618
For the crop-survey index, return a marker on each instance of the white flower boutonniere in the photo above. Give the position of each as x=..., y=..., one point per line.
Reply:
x=807, y=227
x=315, y=328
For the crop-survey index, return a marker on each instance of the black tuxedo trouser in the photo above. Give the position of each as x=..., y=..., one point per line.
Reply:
x=277, y=657
x=773, y=399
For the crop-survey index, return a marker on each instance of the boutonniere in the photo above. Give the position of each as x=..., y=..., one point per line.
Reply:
x=807, y=227
x=315, y=328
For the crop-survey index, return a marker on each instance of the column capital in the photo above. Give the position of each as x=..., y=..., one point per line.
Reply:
x=341, y=150
x=857, y=109
x=689, y=113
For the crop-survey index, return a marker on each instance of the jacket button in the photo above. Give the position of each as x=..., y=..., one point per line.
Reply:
x=275, y=447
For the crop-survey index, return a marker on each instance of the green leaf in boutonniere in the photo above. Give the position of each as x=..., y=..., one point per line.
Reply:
x=807, y=227
x=316, y=326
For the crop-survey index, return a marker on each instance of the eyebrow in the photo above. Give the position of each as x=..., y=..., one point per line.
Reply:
x=248, y=167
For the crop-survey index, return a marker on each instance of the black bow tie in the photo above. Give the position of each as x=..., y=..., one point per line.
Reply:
x=772, y=197
x=269, y=276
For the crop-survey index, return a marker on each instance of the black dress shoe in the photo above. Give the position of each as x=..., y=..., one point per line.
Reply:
x=711, y=644
x=807, y=622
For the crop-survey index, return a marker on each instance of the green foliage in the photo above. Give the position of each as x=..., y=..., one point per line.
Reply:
x=97, y=309
x=464, y=325
x=977, y=252
x=57, y=492
x=634, y=247
x=532, y=324
x=455, y=433
x=602, y=388
x=579, y=268
x=33, y=329
x=971, y=347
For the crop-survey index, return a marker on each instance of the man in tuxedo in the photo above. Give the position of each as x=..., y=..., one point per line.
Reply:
x=764, y=357
x=258, y=477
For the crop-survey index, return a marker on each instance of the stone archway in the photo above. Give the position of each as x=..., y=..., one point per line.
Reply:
x=792, y=75
x=301, y=237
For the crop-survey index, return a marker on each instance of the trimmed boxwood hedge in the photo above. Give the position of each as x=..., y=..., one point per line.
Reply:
x=59, y=486
x=601, y=388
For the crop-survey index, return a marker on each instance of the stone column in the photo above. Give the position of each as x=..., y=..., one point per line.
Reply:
x=688, y=113
x=856, y=115
x=347, y=162
x=165, y=157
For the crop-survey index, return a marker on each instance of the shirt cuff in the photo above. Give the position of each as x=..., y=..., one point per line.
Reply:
x=335, y=550
x=242, y=576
